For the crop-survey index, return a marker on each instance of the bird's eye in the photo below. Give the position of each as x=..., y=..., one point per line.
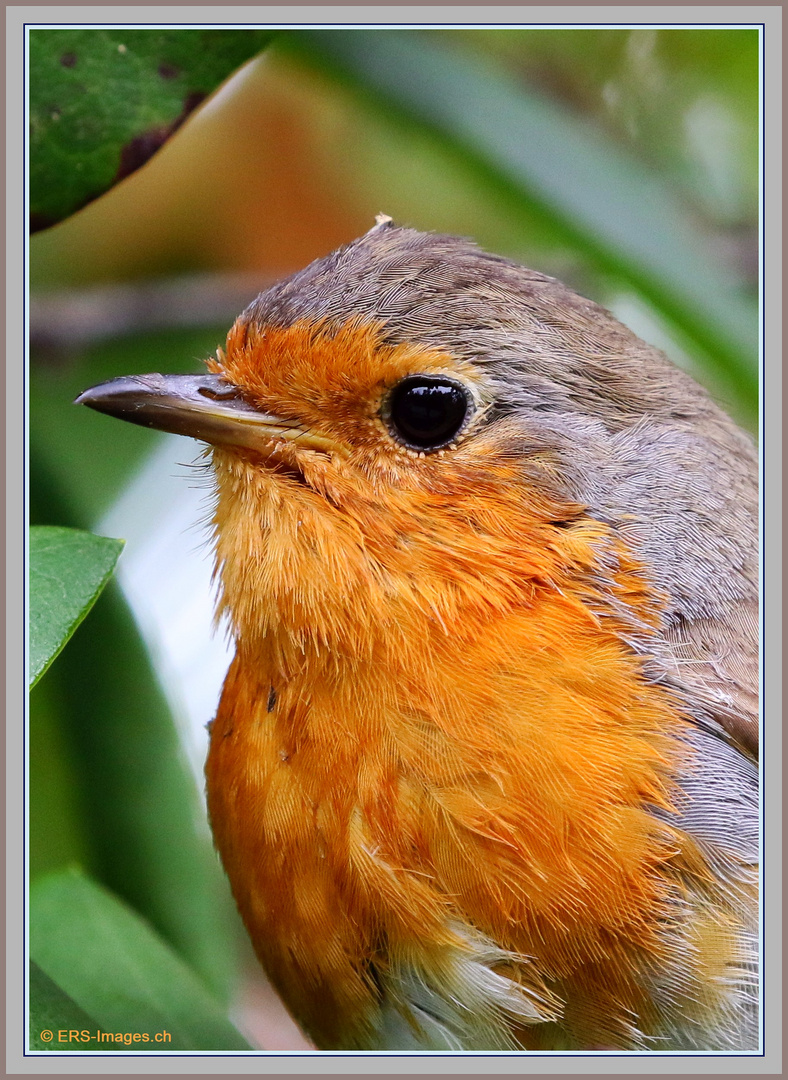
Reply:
x=426, y=411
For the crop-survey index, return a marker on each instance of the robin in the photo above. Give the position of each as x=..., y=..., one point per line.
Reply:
x=484, y=771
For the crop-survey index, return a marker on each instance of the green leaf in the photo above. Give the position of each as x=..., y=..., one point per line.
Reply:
x=68, y=570
x=118, y=971
x=614, y=208
x=58, y=1016
x=103, y=101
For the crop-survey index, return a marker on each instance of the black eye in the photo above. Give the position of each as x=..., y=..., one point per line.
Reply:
x=427, y=411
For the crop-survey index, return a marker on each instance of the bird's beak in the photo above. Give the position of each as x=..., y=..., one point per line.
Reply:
x=202, y=406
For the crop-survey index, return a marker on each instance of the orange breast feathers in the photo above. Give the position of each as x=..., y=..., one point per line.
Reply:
x=436, y=717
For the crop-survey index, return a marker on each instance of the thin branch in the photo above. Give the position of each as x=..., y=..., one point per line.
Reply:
x=73, y=319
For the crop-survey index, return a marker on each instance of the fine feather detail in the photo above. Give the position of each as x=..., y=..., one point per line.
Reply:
x=459, y=1002
x=506, y=796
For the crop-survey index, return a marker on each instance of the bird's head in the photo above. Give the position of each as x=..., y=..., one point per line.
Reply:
x=412, y=429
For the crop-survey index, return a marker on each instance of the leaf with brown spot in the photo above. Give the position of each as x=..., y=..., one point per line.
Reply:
x=102, y=102
x=142, y=147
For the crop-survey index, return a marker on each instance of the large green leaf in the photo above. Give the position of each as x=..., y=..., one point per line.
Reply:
x=103, y=101
x=614, y=208
x=119, y=972
x=68, y=570
x=57, y=1017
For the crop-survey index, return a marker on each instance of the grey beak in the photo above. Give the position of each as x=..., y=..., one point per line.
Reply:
x=204, y=407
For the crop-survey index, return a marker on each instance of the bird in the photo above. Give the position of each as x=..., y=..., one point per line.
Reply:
x=484, y=771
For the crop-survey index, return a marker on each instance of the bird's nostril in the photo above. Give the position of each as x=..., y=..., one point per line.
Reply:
x=219, y=394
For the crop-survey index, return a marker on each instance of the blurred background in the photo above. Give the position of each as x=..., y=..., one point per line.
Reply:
x=624, y=161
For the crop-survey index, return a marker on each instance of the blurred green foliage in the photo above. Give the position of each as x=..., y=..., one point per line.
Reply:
x=622, y=160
